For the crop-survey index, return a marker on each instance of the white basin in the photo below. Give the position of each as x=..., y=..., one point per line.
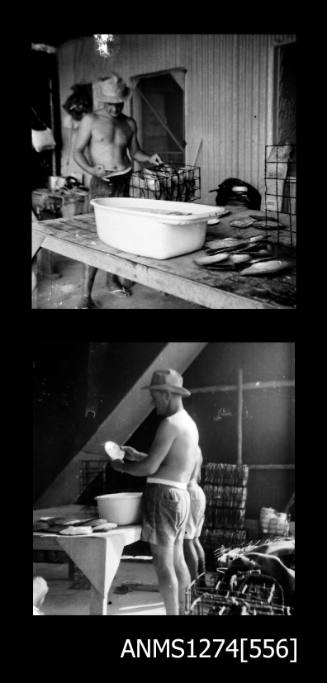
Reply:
x=153, y=228
x=121, y=508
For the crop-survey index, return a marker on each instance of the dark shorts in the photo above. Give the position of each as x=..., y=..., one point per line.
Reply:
x=118, y=186
x=165, y=511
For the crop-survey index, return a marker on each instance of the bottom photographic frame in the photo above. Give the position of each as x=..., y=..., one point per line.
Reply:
x=238, y=401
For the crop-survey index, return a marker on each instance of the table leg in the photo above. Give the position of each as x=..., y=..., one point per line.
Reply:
x=98, y=602
x=98, y=558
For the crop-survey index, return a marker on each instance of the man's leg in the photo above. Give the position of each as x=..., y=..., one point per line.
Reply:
x=182, y=573
x=120, y=188
x=86, y=300
x=191, y=557
x=201, y=555
x=163, y=559
x=122, y=284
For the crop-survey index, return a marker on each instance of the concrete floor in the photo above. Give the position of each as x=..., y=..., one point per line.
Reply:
x=65, y=291
x=64, y=600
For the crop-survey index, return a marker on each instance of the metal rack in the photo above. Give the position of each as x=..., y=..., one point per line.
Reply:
x=92, y=480
x=95, y=479
x=243, y=593
x=172, y=182
x=280, y=189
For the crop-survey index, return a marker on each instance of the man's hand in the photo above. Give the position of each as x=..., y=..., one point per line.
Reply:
x=117, y=465
x=132, y=454
x=155, y=160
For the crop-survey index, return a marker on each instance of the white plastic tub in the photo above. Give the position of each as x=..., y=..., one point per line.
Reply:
x=150, y=227
x=121, y=508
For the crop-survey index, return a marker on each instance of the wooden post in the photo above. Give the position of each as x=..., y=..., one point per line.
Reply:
x=239, y=415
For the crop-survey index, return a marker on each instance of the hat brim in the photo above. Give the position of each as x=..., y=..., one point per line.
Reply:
x=112, y=100
x=168, y=387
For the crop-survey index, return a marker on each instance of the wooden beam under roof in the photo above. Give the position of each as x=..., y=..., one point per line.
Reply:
x=120, y=424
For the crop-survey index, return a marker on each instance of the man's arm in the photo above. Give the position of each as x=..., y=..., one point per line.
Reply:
x=135, y=150
x=131, y=454
x=159, y=450
x=82, y=140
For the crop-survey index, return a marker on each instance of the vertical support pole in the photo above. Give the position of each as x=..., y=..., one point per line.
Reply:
x=239, y=415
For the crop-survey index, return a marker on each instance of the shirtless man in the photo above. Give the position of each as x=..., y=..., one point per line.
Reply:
x=106, y=143
x=168, y=467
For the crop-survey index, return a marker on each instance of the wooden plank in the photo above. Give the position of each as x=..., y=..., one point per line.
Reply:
x=272, y=467
x=250, y=386
x=159, y=279
x=239, y=416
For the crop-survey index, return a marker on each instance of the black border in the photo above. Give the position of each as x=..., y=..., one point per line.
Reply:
x=98, y=646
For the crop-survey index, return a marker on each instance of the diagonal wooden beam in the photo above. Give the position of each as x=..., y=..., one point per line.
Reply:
x=120, y=424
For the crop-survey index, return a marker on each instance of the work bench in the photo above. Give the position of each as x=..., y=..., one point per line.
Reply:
x=97, y=555
x=76, y=238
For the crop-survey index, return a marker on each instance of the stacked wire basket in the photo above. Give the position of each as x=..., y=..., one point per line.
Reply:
x=242, y=593
x=170, y=182
x=225, y=487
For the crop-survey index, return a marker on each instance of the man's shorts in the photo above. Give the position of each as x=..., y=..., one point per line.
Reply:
x=165, y=511
x=195, y=519
x=117, y=186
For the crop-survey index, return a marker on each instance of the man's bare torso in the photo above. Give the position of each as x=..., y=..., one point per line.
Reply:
x=179, y=463
x=110, y=141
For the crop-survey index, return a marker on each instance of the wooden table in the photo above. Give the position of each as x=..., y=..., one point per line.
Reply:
x=76, y=238
x=97, y=556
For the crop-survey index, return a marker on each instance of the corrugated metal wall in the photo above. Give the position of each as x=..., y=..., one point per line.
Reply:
x=228, y=94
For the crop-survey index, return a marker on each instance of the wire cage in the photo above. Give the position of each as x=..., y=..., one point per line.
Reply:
x=243, y=593
x=280, y=188
x=96, y=479
x=172, y=182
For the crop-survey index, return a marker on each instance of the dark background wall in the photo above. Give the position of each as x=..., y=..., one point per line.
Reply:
x=62, y=391
x=65, y=385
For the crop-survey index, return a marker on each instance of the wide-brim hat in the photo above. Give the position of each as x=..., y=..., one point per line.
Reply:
x=168, y=380
x=112, y=89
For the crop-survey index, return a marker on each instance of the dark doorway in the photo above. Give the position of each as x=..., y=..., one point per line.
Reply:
x=45, y=112
x=158, y=106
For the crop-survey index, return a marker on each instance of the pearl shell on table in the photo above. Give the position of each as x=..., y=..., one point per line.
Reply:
x=208, y=260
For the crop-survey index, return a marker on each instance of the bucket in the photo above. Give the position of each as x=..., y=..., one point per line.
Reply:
x=121, y=508
x=266, y=514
